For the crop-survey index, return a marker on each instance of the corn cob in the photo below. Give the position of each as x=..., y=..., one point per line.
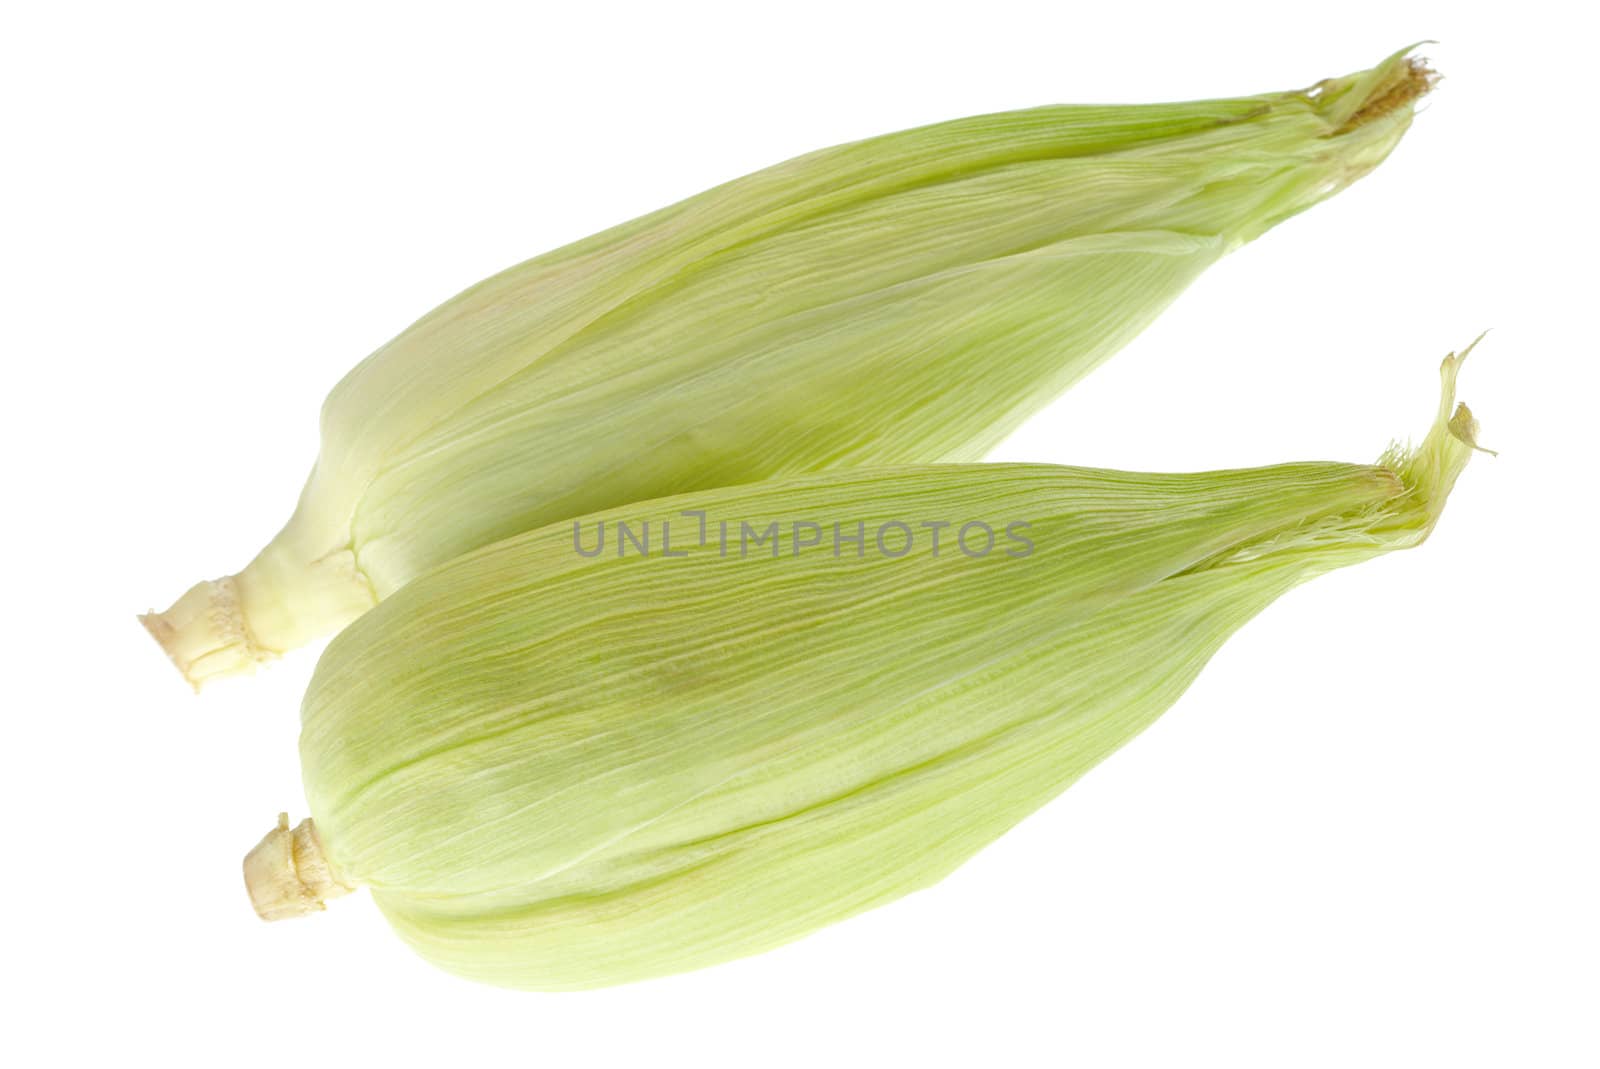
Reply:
x=558, y=767
x=906, y=299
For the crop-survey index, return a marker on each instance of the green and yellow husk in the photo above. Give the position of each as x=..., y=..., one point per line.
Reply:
x=562, y=771
x=906, y=299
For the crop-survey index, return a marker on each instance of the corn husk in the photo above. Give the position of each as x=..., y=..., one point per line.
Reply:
x=906, y=299
x=563, y=770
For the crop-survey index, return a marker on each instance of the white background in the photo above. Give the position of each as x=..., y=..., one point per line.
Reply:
x=1366, y=836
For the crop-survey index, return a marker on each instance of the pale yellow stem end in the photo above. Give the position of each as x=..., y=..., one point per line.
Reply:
x=205, y=633
x=284, y=599
x=288, y=875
